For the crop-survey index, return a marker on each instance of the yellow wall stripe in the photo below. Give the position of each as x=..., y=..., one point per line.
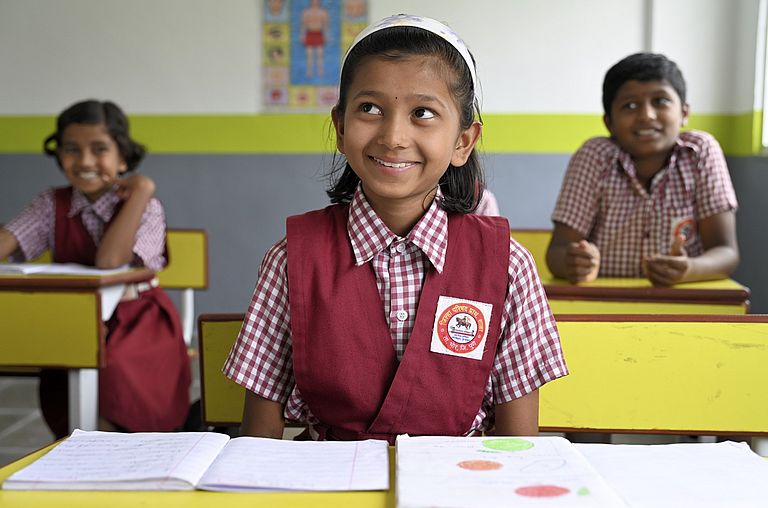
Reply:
x=739, y=134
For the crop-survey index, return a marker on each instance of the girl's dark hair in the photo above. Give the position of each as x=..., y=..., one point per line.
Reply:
x=641, y=67
x=97, y=112
x=462, y=186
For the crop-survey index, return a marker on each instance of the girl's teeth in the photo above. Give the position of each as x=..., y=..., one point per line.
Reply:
x=396, y=165
x=88, y=176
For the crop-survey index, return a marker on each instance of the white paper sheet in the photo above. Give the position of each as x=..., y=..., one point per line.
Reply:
x=250, y=463
x=497, y=471
x=701, y=475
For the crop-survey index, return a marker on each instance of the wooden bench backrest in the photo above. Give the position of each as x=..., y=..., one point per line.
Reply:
x=222, y=399
x=633, y=374
x=188, y=260
x=536, y=241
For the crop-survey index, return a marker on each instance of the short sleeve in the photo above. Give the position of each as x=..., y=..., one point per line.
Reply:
x=260, y=359
x=714, y=189
x=33, y=227
x=149, y=246
x=578, y=203
x=529, y=352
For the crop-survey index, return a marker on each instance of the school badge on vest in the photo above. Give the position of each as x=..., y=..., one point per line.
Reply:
x=683, y=226
x=461, y=327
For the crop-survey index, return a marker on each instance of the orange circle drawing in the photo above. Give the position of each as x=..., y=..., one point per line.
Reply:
x=480, y=465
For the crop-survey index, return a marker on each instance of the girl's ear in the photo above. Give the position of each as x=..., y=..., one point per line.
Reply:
x=338, y=124
x=607, y=122
x=466, y=142
x=686, y=110
x=122, y=166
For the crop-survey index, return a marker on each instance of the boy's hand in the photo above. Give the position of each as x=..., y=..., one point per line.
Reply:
x=582, y=261
x=668, y=270
x=135, y=185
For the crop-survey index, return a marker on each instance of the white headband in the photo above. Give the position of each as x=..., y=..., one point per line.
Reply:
x=427, y=24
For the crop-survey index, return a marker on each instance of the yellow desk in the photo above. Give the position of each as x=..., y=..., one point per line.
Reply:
x=195, y=499
x=49, y=321
x=613, y=295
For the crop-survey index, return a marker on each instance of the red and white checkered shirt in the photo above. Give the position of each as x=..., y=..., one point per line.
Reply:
x=602, y=199
x=528, y=354
x=34, y=226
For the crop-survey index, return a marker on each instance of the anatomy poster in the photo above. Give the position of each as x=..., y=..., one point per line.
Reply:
x=303, y=44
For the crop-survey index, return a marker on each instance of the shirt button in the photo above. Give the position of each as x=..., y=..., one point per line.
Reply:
x=401, y=315
x=400, y=248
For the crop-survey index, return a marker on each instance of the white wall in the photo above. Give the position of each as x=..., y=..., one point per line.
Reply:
x=202, y=56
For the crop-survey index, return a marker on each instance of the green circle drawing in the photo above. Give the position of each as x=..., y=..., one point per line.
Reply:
x=511, y=444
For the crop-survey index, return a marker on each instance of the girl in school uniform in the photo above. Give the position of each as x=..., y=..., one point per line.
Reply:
x=106, y=219
x=395, y=310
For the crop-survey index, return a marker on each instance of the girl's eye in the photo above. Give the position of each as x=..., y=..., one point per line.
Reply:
x=370, y=108
x=69, y=150
x=631, y=106
x=423, y=113
x=663, y=101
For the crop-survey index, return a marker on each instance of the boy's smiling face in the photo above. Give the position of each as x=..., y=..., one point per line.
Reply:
x=645, y=119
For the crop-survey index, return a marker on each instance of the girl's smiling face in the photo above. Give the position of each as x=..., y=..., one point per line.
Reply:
x=90, y=158
x=400, y=130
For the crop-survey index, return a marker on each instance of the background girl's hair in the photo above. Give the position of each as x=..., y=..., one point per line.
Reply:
x=461, y=186
x=97, y=112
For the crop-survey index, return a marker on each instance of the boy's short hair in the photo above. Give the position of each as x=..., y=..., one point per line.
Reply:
x=641, y=67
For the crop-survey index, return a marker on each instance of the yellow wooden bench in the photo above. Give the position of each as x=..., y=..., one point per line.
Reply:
x=690, y=374
x=660, y=374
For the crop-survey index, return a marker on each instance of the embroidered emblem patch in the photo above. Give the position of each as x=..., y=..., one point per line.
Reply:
x=684, y=226
x=461, y=327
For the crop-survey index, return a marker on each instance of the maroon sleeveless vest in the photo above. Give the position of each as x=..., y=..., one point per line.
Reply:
x=343, y=358
x=72, y=243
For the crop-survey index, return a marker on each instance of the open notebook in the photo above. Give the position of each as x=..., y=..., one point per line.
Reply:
x=56, y=269
x=204, y=460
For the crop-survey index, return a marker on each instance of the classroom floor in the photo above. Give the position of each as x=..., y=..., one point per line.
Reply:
x=22, y=429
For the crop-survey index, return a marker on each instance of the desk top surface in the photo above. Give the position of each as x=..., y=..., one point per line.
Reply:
x=65, y=282
x=640, y=289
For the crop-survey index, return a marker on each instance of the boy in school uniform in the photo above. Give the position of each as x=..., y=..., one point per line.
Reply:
x=649, y=201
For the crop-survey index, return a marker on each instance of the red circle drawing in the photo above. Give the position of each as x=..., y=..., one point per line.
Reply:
x=541, y=491
x=461, y=327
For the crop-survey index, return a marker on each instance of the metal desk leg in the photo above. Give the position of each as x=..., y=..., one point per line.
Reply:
x=83, y=399
x=188, y=314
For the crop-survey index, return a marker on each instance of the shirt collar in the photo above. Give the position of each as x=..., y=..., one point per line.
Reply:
x=369, y=235
x=628, y=165
x=103, y=208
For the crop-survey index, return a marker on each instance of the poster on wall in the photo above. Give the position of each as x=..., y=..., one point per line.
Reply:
x=303, y=42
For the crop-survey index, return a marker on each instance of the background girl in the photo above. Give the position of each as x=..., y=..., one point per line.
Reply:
x=106, y=220
x=396, y=310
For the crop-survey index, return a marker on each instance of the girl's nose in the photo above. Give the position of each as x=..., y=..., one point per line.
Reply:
x=394, y=132
x=647, y=111
x=86, y=158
